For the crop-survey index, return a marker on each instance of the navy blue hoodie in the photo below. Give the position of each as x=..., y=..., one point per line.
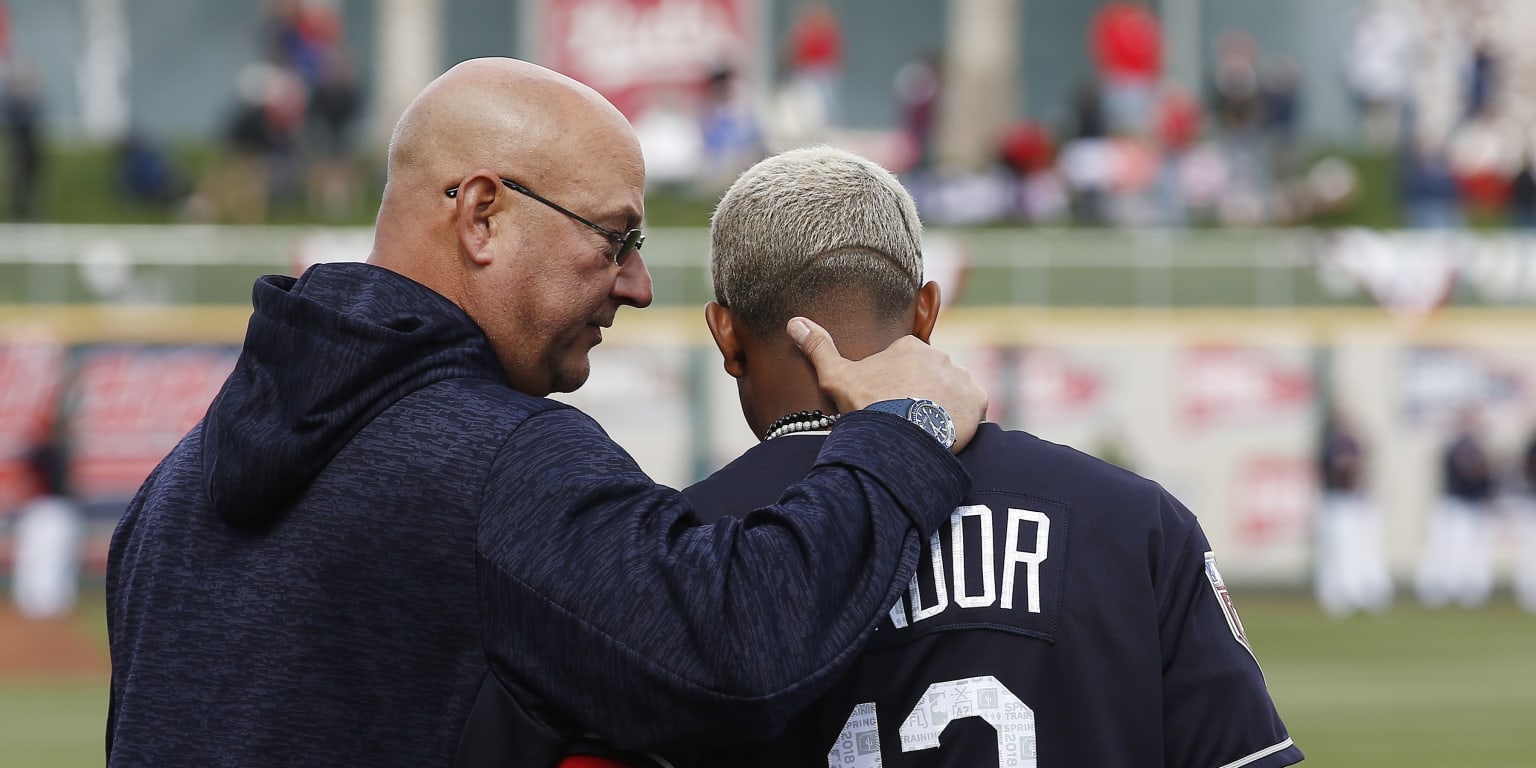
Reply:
x=372, y=551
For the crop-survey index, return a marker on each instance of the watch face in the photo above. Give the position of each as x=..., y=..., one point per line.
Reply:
x=934, y=420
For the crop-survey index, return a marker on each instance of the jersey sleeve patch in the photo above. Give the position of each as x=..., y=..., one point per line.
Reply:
x=1224, y=599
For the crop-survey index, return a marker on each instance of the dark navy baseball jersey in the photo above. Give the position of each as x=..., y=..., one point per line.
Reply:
x=1071, y=614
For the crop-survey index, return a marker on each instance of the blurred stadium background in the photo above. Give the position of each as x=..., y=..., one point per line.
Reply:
x=1171, y=233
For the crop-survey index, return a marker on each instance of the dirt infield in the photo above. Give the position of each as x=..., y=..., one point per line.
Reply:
x=67, y=647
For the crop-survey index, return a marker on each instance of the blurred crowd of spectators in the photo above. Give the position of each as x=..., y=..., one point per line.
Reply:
x=1433, y=82
x=1436, y=83
x=1134, y=147
x=288, y=138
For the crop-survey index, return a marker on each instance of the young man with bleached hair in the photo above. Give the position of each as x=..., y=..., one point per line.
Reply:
x=1069, y=614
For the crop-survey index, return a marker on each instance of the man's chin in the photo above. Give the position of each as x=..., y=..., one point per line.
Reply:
x=570, y=379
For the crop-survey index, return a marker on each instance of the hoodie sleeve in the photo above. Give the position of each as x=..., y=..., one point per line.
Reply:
x=606, y=600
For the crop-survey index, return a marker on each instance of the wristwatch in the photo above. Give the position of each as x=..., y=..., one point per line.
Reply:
x=924, y=413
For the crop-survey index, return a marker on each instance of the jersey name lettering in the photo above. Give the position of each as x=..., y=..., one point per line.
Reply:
x=944, y=580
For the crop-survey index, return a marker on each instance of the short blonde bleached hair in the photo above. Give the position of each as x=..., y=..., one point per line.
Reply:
x=809, y=224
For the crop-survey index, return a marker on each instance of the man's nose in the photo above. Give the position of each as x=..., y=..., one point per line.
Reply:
x=634, y=284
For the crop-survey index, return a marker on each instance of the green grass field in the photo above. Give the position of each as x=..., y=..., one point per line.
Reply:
x=1408, y=689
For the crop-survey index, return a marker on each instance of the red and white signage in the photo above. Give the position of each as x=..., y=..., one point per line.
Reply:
x=1055, y=385
x=631, y=50
x=131, y=405
x=1222, y=385
x=1274, y=496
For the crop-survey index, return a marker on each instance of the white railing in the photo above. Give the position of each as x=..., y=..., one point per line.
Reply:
x=1276, y=268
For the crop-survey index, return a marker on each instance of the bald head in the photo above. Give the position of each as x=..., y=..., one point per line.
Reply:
x=543, y=173
x=504, y=116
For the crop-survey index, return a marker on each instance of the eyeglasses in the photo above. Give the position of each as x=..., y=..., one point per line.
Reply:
x=627, y=242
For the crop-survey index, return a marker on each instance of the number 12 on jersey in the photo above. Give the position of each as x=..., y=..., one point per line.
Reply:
x=858, y=745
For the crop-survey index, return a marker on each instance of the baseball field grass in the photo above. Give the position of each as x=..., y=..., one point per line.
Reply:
x=1411, y=688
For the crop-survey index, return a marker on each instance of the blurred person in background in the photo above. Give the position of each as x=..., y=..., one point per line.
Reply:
x=21, y=113
x=238, y=187
x=1485, y=152
x=1179, y=124
x=728, y=125
x=1126, y=39
x=1483, y=72
x=1081, y=157
x=668, y=129
x=1525, y=526
x=1028, y=154
x=918, y=85
x=307, y=60
x=816, y=55
x=1430, y=195
x=303, y=35
x=1018, y=642
x=335, y=104
x=1280, y=109
x=49, y=533
x=1379, y=68
x=1350, y=560
x=1456, y=562
x=796, y=114
x=384, y=545
x=1521, y=208
x=146, y=173
x=260, y=144
x=1237, y=109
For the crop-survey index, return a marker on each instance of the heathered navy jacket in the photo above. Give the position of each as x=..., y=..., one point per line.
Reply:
x=373, y=552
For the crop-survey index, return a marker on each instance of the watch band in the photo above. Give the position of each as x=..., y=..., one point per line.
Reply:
x=901, y=406
x=926, y=414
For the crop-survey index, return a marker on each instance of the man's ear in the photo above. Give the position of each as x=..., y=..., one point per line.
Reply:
x=925, y=311
x=722, y=325
x=480, y=196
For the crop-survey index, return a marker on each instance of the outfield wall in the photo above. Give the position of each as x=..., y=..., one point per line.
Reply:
x=1221, y=406
x=1200, y=359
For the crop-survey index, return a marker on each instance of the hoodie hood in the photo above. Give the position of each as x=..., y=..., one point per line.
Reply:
x=323, y=355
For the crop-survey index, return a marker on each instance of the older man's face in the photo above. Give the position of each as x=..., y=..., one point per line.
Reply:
x=560, y=285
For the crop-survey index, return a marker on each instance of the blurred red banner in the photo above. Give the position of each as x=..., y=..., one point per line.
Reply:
x=635, y=51
x=130, y=406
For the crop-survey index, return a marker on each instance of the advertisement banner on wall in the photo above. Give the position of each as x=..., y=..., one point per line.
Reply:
x=1273, y=501
x=1242, y=386
x=1437, y=382
x=30, y=376
x=129, y=405
x=1036, y=387
x=1056, y=385
x=635, y=51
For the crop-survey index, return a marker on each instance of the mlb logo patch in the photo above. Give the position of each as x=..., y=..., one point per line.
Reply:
x=1224, y=599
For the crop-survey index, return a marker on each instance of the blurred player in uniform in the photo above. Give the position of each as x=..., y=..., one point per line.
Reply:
x=1456, y=563
x=1525, y=524
x=1351, y=566
x=1071, y=613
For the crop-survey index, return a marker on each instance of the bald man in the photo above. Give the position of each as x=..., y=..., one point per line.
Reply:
x=384, y=546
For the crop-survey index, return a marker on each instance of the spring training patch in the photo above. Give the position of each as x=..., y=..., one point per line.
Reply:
x=1224, y=598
